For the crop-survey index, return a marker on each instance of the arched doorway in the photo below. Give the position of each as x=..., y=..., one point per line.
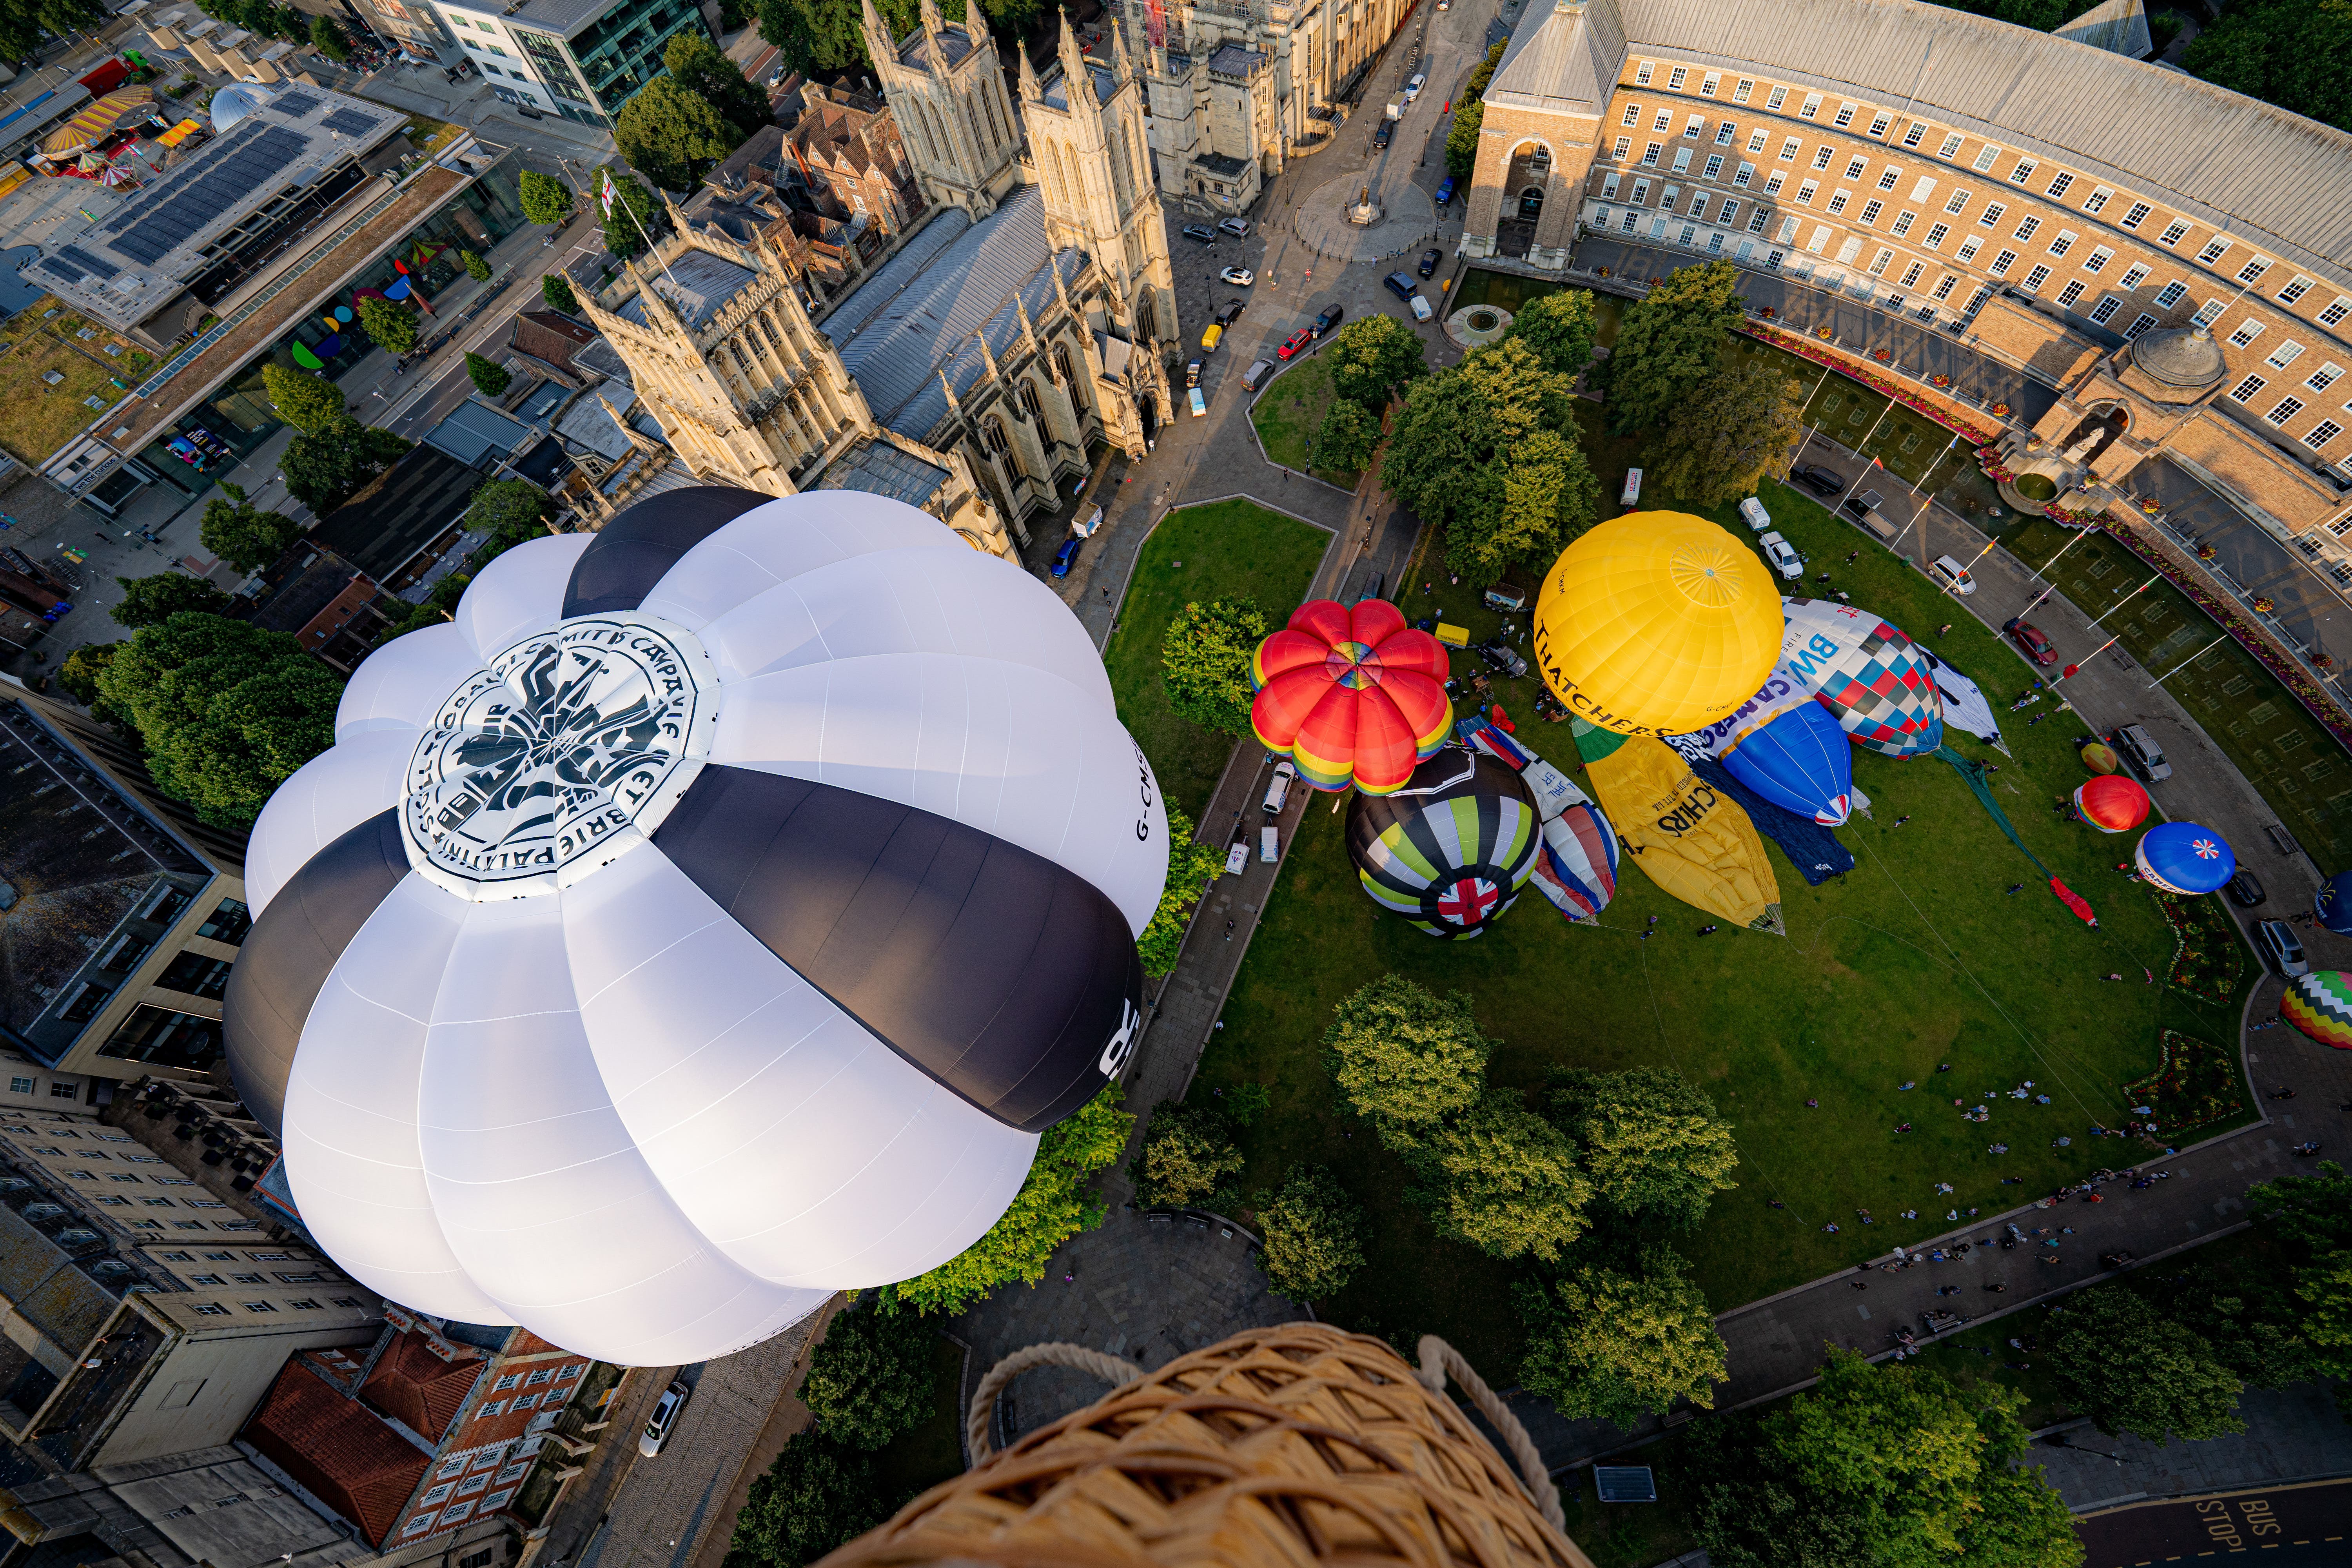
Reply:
x=1531, y=204
x=1525, y=180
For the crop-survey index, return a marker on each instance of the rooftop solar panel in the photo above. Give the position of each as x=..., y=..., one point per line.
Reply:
x=58, y=266
x=349, y=121
x=293, y=103
x=219, y=186
x=1625, y=1483
x=89, y=263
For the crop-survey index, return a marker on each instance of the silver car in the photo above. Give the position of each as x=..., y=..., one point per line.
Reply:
x=665, y=1416
x=2280, y=946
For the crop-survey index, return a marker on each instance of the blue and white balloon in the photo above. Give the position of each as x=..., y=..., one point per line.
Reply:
x=2184, y=857
x=1801, y=762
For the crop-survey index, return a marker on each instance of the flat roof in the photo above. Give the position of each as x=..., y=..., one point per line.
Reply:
x=562, y=18
x=127, y=260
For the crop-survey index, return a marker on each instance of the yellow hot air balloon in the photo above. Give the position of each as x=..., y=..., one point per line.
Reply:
x=1657, y=623
x=1690, y=839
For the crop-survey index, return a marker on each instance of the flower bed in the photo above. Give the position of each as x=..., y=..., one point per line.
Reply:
x=1911, y=400
x=2071, y=516
x=2225, y=615
x=2209, y=962
x=2197, y=1084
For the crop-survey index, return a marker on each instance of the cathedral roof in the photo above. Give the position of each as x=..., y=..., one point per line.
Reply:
x=921, y=317
x=697, y=282
x=954, y=45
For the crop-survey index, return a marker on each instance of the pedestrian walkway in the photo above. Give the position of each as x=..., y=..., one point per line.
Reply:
x=2292, y=1434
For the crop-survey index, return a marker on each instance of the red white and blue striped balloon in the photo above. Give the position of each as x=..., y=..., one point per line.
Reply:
x=2184, y=857
x=1577, y=868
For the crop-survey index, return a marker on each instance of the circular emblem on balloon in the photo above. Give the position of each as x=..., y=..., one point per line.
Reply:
x=2183, y=858
x=1657, y=623
x=2112, y=803
x=2100, y=758
x=1451, y=849
x=709, y=918
x=2320, y=1004
x=1351, y=694
x=2334, y=904
x=1875, y=681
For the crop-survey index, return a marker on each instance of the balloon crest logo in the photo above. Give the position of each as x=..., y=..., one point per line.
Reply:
x=559, y=756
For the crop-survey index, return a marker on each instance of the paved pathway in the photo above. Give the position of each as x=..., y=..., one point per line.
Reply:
x=2292, y=1434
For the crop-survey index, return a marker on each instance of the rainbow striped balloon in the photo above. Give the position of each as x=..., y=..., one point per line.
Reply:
x=2320, y=1004
x=1352, y=695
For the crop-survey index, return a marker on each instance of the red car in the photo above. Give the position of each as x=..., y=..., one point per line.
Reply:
x=1295, y=342
x=2029, y=638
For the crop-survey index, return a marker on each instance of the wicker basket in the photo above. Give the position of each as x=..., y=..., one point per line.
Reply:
x=1298, y=1444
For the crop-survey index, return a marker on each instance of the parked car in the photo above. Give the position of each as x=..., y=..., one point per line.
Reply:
x=1258, y=370
x=2140, y=753
x=1230, y=313
x=1631, y=495
x=1867, y=501
x=1237, y=227
x=1269, y=844
x=1413, y=89
x=1429, y=260
x=1505, y=657
x=672, y=1401
x=2245, y=891
x=1065, y=557
x=1384, y=135
x=1401, y=285
x=1421, y=310
x=1445, y=185
x=1201, y=232
x=1277, y=792
x=1239, y=277
x=1200, y=403
x=1193, y=372
x=2280, y=948
x=1295, y=342
x=1506, y=597
x=1782, y=555
x=1237, y=857
x=1818, y=480
x=1946, y=569
x=2030, y=640
x=1752, y=512
x=1328, y=318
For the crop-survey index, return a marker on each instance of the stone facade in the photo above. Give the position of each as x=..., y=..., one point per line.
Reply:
x=1889, y=184
x=955, y=118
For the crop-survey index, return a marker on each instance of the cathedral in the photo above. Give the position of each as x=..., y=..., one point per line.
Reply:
x=1028, y=318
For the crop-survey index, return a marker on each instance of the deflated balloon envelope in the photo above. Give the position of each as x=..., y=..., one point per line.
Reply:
x=1799, y=762
x=708, y=918
x=1878, y=683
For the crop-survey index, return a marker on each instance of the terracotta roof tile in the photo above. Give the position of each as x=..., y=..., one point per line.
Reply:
x=417, y=1388
x=353, y=1462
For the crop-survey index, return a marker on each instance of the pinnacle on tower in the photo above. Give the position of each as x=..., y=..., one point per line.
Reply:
x=879, y=44
x=934, y=25
x=1121, y=65
x=1031, y=90
x=954, y=405
x=1074, y=66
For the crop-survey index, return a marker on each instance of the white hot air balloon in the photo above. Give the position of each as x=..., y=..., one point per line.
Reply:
x=708, y=919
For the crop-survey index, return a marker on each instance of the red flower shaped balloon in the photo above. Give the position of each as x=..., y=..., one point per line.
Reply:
x=1353, y=696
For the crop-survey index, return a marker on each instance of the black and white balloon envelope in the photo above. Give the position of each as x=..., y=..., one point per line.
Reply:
x=710, y=918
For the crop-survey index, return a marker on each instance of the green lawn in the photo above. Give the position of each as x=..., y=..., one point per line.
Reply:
x=1288, y=412
x=1232, y=549
x=1917, y=958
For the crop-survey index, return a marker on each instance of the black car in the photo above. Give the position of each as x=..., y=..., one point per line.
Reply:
x=1328, y=320
x=1201, y=232
x=1230, y=314
x=1818, y=480
x=1384, y=135
x=2245, y=891
x=1429, y=260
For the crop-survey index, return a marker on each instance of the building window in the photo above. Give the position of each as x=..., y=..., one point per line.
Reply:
x=2248, y=331
x=1943, y=289
x=1821, y=156
x=1888, y=176
x=1779, y=96
x=1641, y=73
x=61, y=1089
x=1990, y=217
x=124, y=953
x=1812, y=106
x=2170, y=294
x=1935, y=236
x=25, y=1086
x=1788, y=150
x=2173, y=232
x=1844, y=115
x=1903, y=224
x=1664, y=121
x=2036, y=279
x=1870, y=211
x=2002, y=263
x=1632, y=115
x=1713, y=167
x=2098, y=258
x=1805, y=193
x=1723, y=133
x=159, y=1034
x=1951, y=147
x=1727, y=212
x=2213, y=250
x=209, y=1310
x=2068, y=294
x=1755, y=220
x=1756, y=139
x=1772, y=186
x=2321, y=434
x=2132, y=277
x=2247, y=388
x=1880, y=121
x=1675, y=82
x=490, y=1408
x=2098, y=201
x=1986, y=157
x=1838, y=201
x=1747, y=173
x=1650, y=154
x=2140, y=323
x=2337, y=311
x=2059, y=186
x=2028, y=229
x=2064, y=242
x=1697, y=123
x=2283, y=410
x=1911, y=276
x=1624, y=149
x=2295, y=291
x=227, y=923
x=2286, y=354
x=1878, y=263
x=2326, y=376
x=1968, y=251
x=1739, y=94
x=2023, y=171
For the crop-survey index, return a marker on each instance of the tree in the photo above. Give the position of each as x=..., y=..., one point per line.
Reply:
x=697, y=65
x=1606, y=1344
x=1204, y=662
x=488, y=375
x=2133, y=1370
x=1189, y=1160
x=1053, y=1204
x=1405, y=1058
x=1469, y=116
x=1550, y=495
x=1893, y=1465
x=1441, y=451
x=392, y=327
x=1505, y=1180
x=309, y=403
x=227, y=710
x=1522, y=395
x=1732, y=431
x=816, y=35
x=870, y=1378
x=1372, y=358
x=26, y=23
x=149, y=600
x=329, y=39
x=1669, y=343
x=1559, y=328
x=672, y=135
x=242, y=534
x=325, y=468
x=476, y=267
x=510, y=511
x=1190, y=865
x=79, y=673
x=635, y=216
x=2312, y=1217
x=556, y=289
x=2283, y=52
x=817, y=1494
x=545, y=198
x=1346, y=438
x=1314, y=1235
x=1652, y=1142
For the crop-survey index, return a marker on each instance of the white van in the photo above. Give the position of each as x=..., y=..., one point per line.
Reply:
x=1752, y=511
x=1269, y=846
x=1278, y=792
x=1421, y=310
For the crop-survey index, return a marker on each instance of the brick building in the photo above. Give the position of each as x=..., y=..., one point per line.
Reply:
x=2144, y=243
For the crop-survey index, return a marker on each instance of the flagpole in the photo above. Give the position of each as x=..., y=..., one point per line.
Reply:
x=1916, y=489
x=2079, y=535
x=613, y=194
x=2075, y=669
x=2185, y=663
x=1858, y=452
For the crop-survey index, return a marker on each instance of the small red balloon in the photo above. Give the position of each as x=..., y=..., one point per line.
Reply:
x=2071, y=669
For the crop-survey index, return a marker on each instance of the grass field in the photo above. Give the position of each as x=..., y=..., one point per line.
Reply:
x=1918, y=958
x=1232, y=549
x=45, y=340
x=1289, y=412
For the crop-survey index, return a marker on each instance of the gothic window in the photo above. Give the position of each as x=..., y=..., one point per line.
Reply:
x=1062, y=363
x=1029, y=401
x=991, y=432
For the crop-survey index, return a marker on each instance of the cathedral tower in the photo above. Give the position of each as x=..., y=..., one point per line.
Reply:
x=954, y=118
